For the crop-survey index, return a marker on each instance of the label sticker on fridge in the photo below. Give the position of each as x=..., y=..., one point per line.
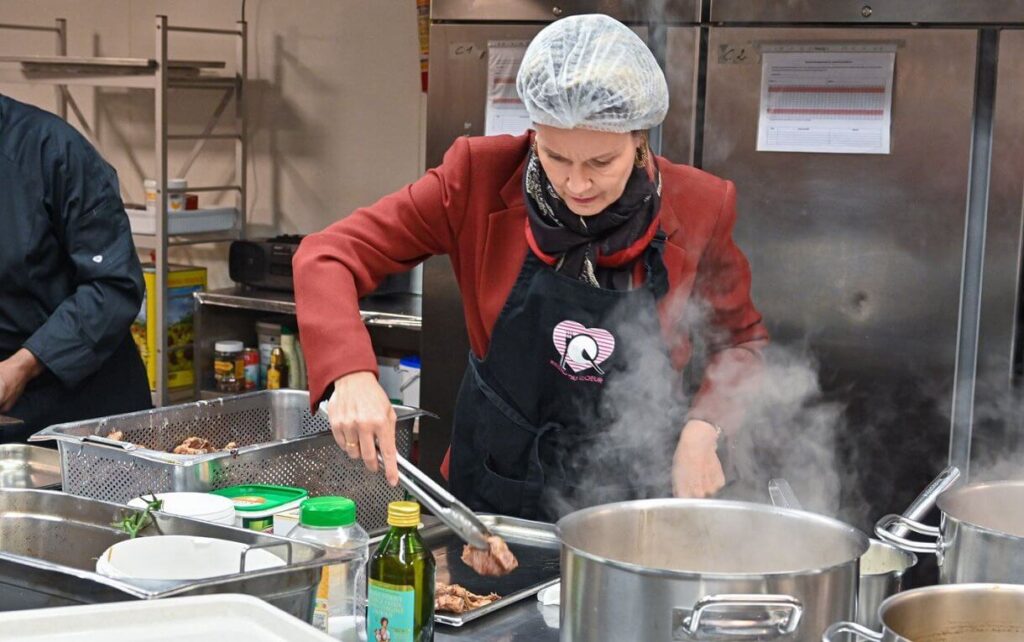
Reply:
x=826, y=99
x=506, y=113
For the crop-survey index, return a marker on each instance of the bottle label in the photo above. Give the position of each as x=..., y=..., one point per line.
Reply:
x=320, y=611
x=391, y=613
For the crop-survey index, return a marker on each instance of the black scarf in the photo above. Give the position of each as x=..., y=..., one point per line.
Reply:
x=580, y=244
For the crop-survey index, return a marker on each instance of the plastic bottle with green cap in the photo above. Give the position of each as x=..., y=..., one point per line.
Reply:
x=401, y=588
x=340, y=609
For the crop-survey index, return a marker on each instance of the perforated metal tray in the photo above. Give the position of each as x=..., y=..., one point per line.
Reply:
x=279, y=442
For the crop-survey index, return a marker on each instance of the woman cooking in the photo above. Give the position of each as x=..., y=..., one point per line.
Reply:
x=581, y=259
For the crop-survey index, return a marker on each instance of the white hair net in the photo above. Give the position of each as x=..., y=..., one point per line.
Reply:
x=592, y=72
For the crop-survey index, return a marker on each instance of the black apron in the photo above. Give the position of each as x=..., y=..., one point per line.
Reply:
x=530, y=435
x=119, y=386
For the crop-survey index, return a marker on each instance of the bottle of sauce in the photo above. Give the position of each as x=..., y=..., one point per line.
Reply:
x=401, y=581
x=277, y=373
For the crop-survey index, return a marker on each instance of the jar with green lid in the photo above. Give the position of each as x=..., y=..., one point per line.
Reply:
x=340, y=607
x=229, y=366
x=401, y=588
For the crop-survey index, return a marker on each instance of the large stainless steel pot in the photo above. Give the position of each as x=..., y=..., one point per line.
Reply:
x=960, y=613
x=980, y=537
x=881, y=567
x=680, y=569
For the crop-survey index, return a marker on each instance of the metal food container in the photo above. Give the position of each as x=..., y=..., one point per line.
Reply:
x=49, y=542
x=25, y=466
x=945, y=613
x=278, y=442
x=980, y=537
x=698, y=569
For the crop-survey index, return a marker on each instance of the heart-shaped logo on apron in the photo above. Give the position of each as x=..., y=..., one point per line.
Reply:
x=581, y=348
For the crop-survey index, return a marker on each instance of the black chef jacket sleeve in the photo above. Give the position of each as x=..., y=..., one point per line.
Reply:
x=88, y=217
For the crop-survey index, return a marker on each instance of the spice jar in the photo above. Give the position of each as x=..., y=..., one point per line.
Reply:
x=229, y=366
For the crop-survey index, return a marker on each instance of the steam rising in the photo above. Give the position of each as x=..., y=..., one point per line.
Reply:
x=790, y=427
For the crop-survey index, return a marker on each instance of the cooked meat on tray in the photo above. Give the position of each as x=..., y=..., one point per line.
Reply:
x=190, y=446
x=453, y=598
x=200, y=446
x=495, y=561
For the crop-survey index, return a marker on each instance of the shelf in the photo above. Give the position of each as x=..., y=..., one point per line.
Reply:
x=217, y=219
x=114, y=72
x=158, y=74
x=70, y=63
x=400, y=311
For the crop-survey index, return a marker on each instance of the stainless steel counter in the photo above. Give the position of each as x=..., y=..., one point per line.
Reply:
x=526, y=621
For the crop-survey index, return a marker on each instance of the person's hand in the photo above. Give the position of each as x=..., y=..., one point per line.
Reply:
x=15, y=373
x=360, y=413
x=696, y=469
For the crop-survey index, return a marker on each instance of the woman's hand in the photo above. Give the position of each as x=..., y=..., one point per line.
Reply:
x=696, y=469
x=360, y=414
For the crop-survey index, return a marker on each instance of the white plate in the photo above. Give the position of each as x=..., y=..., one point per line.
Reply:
x=180, y=557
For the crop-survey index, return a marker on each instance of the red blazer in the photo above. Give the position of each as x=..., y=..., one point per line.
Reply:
x=472, y=209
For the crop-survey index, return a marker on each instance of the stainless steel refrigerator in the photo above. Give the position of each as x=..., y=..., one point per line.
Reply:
x=898, y=273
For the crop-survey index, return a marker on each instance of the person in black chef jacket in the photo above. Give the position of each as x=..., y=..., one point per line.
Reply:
x=70, y=279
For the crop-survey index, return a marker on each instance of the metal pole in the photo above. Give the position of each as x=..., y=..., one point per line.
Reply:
x=160, y=133
x=62, y=50
x=657, y=37
x=241, y=125
x=965, y=374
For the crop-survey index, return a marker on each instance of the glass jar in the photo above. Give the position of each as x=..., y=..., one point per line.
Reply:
x=229, y=366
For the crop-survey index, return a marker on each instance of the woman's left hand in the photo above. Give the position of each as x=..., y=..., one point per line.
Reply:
x=696, y=469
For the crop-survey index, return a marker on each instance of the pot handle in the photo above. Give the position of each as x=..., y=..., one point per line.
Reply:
x=888, y=527
x=924, y=502
x=742, y=616
x=861, y=633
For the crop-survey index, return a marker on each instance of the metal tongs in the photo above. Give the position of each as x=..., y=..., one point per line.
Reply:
x=438, y=501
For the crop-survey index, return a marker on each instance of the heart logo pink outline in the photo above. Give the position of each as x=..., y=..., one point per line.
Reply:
x=566, y=332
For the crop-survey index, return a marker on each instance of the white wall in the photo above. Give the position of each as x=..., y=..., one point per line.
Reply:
x=334, y=102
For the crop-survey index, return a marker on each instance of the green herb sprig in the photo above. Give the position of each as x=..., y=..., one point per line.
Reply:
x=136, y=522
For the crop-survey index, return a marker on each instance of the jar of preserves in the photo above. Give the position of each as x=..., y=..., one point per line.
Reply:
x=229, y=366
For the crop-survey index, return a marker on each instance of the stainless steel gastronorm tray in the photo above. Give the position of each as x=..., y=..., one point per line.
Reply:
x=279, y=442
x=49, y=542
x=24, y=466
x=534, y=544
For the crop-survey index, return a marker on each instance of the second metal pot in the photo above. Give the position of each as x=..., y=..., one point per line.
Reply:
x=682, y=570
x=980, y=537
x=958, y=613
x=881, y=576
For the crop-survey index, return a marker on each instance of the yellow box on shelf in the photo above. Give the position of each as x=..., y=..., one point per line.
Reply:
x=182, y=282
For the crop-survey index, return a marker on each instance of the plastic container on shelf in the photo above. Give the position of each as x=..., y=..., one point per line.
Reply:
x=340, y=609
x=175, y=200
x=291, y=358
x=256, y=504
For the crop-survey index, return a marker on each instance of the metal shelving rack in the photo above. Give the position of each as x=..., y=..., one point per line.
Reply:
x=159, y=74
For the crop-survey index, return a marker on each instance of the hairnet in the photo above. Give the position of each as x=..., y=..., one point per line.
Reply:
x=592, y=72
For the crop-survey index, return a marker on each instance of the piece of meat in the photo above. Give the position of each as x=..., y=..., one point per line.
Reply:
x=230, y=446
x=497, y=560
x=453, y=598
x=194, y=446
x=116, y=435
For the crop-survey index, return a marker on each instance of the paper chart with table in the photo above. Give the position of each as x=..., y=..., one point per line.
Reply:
x=823, y=100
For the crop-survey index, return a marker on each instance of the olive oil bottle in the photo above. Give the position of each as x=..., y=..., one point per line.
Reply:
x=400, y=604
